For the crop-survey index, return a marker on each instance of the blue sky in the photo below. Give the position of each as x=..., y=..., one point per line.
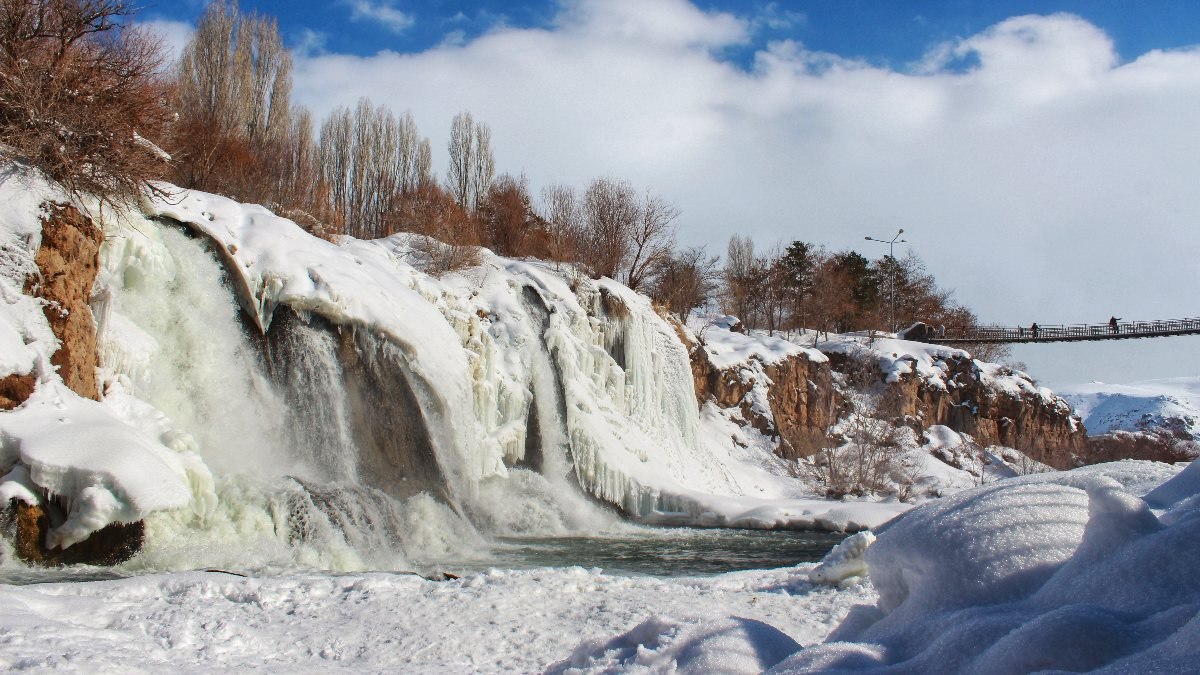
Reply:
x=880, y=31
x=1042, y=157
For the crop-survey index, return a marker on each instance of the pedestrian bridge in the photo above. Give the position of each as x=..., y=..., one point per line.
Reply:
x=1121, y=330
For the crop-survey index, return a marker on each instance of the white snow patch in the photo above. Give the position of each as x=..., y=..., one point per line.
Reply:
x=107, y=471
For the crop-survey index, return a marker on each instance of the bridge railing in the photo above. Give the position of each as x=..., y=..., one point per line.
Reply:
x=1080, y=331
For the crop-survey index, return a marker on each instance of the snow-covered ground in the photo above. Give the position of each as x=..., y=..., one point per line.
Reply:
x=496, y=621
x=1172, y=403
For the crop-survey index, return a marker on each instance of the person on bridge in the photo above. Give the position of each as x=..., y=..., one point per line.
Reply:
x=1112, y=323
x=1033, y=329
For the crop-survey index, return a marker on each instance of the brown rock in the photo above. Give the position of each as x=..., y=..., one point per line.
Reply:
x=804, y=403
x=67, y=263
x=1041, y=429
x=15, y=390
x=111, y=545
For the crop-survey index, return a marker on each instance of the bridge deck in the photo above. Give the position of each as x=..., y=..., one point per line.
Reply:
x=1124, y=330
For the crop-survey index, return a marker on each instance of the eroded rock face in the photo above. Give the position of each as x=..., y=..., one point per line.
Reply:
x=67, y=263
x=15, y=390
x=805, y=403
x=800, y=393
x=1043, y=428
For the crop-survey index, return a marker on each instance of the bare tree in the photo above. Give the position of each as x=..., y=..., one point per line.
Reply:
x=563, y=215
x=372, y=162
x=651, y=240
x=448, y=236
x=79, y=94
x=234, y=130
x=511, y=225
x=472, y=164
x=739, y=277
x=610, y=214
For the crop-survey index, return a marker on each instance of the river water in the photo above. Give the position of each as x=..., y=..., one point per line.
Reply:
x=664, y=552
x=637, y=552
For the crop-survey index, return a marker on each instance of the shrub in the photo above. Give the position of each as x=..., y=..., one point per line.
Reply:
x=868, y=463
x=80, y=95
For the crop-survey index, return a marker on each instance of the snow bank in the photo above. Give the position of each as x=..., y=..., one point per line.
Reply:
x=495, y=622
x=728, y=349
x=1065, y=571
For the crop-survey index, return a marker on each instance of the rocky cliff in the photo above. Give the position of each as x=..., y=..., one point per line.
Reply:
x=798, y=395
x=994, y=404
x=67, y=264
x=789, y=396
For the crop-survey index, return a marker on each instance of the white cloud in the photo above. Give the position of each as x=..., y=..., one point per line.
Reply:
x=310, y=43
x=774, y=17
x=1046, y=181
x=174, y=36
x=671, y=23
x=381, y=12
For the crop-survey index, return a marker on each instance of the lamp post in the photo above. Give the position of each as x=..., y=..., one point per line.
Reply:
x=892, y=271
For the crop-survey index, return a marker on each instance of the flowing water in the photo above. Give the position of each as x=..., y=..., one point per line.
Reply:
x=667, y=553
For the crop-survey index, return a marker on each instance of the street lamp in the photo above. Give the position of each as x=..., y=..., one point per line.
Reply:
x=892, y=271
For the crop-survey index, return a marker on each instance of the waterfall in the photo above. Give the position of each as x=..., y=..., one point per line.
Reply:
x=316, y=439
x=359, y=413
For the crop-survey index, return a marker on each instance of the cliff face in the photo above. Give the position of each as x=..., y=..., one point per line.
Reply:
x=795, y=397
x=994, y=408
x=67, y=264
x=792, y=398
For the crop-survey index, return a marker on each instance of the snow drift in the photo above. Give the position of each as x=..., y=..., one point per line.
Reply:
x=1068, y=572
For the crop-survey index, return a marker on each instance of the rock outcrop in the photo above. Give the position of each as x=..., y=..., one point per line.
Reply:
x=16, y=389
x=798, y=399
x=67, y=264
x=111, y=545
x=1039, y=424
x=801, y=401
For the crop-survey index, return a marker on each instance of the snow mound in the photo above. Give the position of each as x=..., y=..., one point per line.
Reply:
x=1172, y=403
x=846, y=560
x=661, y=645
x=1070, y=572
x=730, y=349
x=107, y=471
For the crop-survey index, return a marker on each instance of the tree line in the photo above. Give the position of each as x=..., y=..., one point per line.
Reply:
x=86, y=96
